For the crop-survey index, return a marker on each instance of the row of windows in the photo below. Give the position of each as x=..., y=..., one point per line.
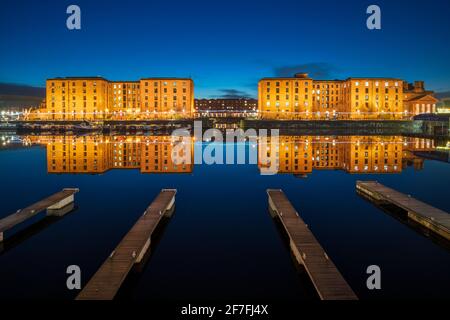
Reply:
x=326, y=86
x=326, y=92
x=165, y=83
x=376, y=97
x=124, y=86
x=376, y=90
x=296, y=83
x=74, y=104
x=74, y=91
x=366, y=161
x=377, y=83
x=165, y=90
x=73, y=98
x=386, y=104
x=115, y=86
x=175, y=104
x=277, y=104
x=165, y=98
x=277, y=90
x=277, y=97
x=74, y=84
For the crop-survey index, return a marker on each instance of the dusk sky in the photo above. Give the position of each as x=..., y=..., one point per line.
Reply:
x=225, y=46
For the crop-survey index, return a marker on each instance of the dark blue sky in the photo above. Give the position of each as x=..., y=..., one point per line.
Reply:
x=224, y=45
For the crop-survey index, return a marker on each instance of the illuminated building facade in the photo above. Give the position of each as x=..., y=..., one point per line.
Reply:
x=301, y=97
x=372, y=99
x=167, y=98
x=95, y=98
x=285, y=98
x=327, y=99
x=124, y=99
x=75, y=99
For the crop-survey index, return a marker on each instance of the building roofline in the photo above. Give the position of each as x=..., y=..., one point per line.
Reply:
x=166, y=78
x=374, y=78
x=284, y=78
x=79, y=78
x=124, y=81
x=322, y=80
x=417, y=98
x=102, y=78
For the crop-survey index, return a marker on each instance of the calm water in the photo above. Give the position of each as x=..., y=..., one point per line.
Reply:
x=221, y=243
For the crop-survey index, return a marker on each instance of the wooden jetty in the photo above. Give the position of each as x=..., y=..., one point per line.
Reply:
x=328, y=281
x=107, y=281
x=433, y=219
x=55, y=204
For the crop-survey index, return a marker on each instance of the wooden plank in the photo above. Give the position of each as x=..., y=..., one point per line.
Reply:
x=107, y=281
x=430, y=217
x=328, y=281
x=30, y=211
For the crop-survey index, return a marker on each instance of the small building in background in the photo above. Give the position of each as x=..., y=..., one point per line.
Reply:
x=226, y=107
x=417, y=100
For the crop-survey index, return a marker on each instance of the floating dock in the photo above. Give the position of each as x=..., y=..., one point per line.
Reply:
x=107, y=281
x=433, y=219
x=56, y=204
x=327, y=280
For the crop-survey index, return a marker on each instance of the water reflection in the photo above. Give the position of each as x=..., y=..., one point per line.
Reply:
x=298, y=155
x=98, y=154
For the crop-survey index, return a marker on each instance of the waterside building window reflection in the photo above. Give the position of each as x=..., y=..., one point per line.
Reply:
x=98, y=154
x=300, y=155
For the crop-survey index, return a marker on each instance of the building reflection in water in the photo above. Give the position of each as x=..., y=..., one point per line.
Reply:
x=98, y=154
x=298, y=155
